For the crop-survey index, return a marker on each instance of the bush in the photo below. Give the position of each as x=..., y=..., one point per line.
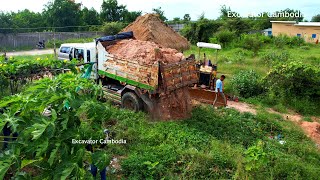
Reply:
x=295, y=84
x=247, y=84
x=200, y=31
x=305, y=47
x=224, y=59
x=251, y=42
x=111, y=28
x=282, y=40
x=275, y=57
x=295, y=79
x=264, y=39
x=225, y=37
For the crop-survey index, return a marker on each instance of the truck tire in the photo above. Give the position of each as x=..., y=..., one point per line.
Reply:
x=131, y=101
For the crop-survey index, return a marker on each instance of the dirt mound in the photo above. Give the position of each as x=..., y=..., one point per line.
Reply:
x=176, y=105
x=144, y=52
x=312, y=129
x=151, y=28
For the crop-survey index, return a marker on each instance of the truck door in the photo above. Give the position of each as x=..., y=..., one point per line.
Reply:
x=89, y=58
x=79, y=54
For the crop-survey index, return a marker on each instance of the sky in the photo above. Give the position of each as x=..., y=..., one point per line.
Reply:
x=177, y=8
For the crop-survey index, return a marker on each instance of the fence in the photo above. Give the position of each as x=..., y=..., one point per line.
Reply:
x=29, y=40
x=176, y=27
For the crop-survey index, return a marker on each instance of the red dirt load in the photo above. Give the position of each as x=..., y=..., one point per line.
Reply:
x=151, y=28
x=144, y=52
x=175, y=105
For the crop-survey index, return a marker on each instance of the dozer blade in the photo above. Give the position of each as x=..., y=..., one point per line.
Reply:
x=205, y=96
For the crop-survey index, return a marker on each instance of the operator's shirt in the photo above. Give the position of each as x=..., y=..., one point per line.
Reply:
x=219, y=85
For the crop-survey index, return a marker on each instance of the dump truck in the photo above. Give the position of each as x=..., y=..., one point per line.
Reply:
x=134, y=85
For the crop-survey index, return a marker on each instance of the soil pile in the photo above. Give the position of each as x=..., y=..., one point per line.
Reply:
x=312, y=129
x=144, y=52
x=176, y=105
x=151, y=28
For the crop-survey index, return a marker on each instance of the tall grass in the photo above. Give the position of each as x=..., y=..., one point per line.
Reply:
x=212, y=144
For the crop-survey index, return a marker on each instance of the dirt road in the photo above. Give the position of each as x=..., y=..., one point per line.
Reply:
x=31, y=52
x=311, y=129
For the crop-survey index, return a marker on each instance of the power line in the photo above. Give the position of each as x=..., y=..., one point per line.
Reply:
x=59, y=27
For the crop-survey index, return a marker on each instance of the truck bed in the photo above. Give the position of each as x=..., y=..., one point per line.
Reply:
x=157, y=77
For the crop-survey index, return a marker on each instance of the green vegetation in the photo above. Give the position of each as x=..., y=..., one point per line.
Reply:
x=65, y=16
x=47, y=114
x=247, y=84
x=16, y=72
x=212, y=144
x=296, y=84
x=113, y=27
x=285, y=71
x=45, y=140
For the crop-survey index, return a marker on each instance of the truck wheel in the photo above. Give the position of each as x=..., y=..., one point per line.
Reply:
x=131, y=101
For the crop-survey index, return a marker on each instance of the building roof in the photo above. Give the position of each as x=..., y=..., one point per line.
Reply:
x=308, y=24
x=285, y=22
x=299, y=23
x=265, y=30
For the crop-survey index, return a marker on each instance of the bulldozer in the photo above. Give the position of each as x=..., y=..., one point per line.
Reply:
x=204, y=90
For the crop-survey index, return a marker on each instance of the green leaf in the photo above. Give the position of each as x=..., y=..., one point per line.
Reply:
x=147, y=163
x=248, y=167
x=101, y=159
x=11, y=120
x=53, y=114
x=2, y=123
x=27, y=162
x=39, y=129
x=64, y=124
x=4, y=166
x=65, y=173
x=41, y=148
x=53, y=155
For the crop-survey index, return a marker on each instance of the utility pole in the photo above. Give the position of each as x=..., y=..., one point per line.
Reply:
x=54, y=37
x=54, y=44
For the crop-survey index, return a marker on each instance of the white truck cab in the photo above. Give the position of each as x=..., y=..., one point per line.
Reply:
x=85, y=51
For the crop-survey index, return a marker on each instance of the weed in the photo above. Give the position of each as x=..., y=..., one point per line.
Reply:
x=308, y=119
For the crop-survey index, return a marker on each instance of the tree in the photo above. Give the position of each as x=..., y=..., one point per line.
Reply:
x=200, y=31
x=160, y=13
x=261, y=22
x=316, y=18
x=26, y=19
x=111, y=28
x=129, y=17
x=224, y=11
x=61, y=13
x=112, y=12
x=176, y=20
x=186, y=18
x=90, y=17
x=21, y=19
x=5, y=22
x=238, y=25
